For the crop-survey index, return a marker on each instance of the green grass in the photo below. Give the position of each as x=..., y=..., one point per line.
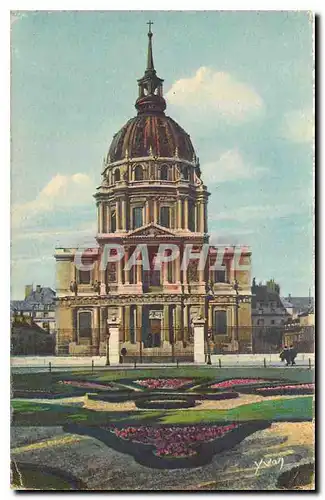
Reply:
x=29, y=413
x=39, y=480
x=49, y=381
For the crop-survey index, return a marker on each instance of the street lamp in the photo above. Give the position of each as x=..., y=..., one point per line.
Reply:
x=210, y=296
x=236, y=288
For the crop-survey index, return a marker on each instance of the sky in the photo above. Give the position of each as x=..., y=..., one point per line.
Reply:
x=240, y=83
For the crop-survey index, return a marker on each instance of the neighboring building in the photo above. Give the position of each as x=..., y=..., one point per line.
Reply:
x=300, y=331
x=269, y=314
x=27, y=338
x=151, y=192
x=39, y=304
x=298, y=305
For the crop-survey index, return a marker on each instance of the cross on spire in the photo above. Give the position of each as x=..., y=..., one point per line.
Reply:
x=150, y=23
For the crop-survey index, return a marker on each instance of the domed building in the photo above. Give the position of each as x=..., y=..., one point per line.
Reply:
x=151, y=194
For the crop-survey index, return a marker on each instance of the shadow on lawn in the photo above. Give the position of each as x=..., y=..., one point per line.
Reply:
x=144, y=453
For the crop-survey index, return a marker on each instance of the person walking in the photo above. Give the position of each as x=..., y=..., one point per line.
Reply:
x=292, y=355
x=285, y=355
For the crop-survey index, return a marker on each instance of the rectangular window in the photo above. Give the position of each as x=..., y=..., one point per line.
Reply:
x=164, y=217
x=113, y=221
x=84, y=277
x=220, y=276
x=137, y=217
x=85, y=324
x=111, y=272
x=191, y=217
x=220, y=322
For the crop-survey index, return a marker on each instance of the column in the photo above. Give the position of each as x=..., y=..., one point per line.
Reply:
x=118, y=216
x=127, y=271
x=103, y=324
x=195, y=218
x=147, y=212
x=139, y=323
x=199, y=356
x=101, y=217
x=114, y=344
x=179, y=213
x=127, y=310
x=122, y=324
x=201, y=217
x=95, y=331
x=123, y=219
x=166, y=323
x=186, y=213
x=185, y=322
x=210, y=317
x=205, y=223
x=108, y=218
x=120, y=272
x=179, y=322
x=165, y=272
x=155, y=211
x=201, y=274
x=178, y=269
x=139, y=274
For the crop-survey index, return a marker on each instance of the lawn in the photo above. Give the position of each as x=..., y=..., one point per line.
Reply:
x=30, y=413
x=48, y=382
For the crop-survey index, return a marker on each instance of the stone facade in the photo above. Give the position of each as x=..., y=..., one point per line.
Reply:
x=151, y=194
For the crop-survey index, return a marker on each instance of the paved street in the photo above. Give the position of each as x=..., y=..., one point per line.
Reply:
x=21, y=364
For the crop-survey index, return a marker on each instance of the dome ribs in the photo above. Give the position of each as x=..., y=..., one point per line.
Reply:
x=146, y=131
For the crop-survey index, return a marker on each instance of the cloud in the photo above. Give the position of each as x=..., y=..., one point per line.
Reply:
x=257, y=212
x=217, y=92
x=230, y=167
x=298, y=126
x=61, y=192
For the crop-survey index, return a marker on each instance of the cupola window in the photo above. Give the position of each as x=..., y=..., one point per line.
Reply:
x=117, y=175
x=164, y=219
x=186, y=173
x=137, y=217
x=164, y=173
x=138, y=173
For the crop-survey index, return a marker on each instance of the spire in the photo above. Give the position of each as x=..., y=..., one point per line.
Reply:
x=150, y=98
x=150, y=65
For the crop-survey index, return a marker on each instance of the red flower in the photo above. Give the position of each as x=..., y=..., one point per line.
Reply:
x=236, y=381
x=165, y=383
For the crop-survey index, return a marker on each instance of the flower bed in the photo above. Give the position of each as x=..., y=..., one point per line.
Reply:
x=286, y=389
x=163, y=383
x=173, y=441
x=87, y=385
x=237, y=381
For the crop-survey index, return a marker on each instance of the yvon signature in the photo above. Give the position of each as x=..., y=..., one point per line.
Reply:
x=270, y=462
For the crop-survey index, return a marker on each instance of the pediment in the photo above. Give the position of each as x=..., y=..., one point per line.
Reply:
x=151, y=230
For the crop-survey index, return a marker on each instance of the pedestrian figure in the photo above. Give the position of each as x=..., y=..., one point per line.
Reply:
x=285, y=355
x=292, y=355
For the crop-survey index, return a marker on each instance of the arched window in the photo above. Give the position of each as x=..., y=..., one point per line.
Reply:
x=164, y=219
x=138, y=173
x=117, y=175
x=164, y=173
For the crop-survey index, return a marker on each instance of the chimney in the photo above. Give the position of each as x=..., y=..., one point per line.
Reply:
x=28, y=290
x=38, y=288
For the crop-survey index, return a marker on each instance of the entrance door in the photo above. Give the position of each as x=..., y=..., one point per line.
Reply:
x=155, y=329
